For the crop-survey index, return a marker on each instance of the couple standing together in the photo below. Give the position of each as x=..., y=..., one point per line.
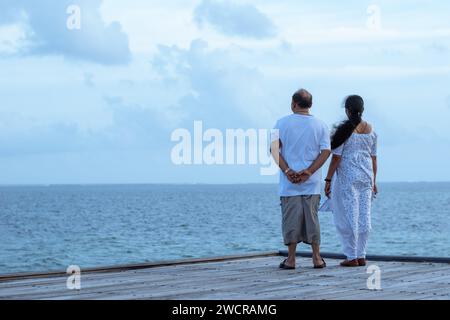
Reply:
x=301, y=144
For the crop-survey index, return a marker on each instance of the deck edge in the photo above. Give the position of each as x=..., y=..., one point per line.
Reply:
x=127, y=267
x=386, y=258
x=119, y=268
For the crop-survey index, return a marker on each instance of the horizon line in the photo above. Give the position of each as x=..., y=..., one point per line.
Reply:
x=177, y=184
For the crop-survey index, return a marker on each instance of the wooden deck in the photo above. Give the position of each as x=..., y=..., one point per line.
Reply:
x=238, y=278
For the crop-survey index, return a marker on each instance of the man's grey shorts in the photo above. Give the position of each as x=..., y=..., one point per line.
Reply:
x=300, y=221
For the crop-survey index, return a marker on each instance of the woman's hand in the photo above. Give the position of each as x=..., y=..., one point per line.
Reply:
x=375, y=189
x=328, y=189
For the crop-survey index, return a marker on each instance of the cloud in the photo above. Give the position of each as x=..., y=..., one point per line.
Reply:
x=203, y=83
x=88, y=78
x=22, y=136
x=45, y=24
x=234, y=19
x=133, y=127
x=437, y=47
x=12, y=38
x=10, y=11
x=228, y=82
x=221, y=91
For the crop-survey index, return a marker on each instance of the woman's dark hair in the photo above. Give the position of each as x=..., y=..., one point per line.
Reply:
x=355, y=107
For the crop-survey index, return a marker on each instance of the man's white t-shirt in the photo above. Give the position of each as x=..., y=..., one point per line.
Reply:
x=302, y=139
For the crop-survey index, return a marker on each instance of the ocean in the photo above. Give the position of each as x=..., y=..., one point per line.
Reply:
x=45, y=228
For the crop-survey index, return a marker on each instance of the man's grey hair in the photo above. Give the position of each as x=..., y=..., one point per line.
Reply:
x=302, y=98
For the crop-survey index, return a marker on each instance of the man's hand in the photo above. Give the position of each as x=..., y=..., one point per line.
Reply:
x=293, y=177
x=304, y=175
x=298, y=177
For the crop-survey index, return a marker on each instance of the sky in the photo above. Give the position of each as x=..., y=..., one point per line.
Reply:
x=94, y=95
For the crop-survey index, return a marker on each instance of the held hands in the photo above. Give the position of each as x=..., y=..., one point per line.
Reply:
x=298, y=177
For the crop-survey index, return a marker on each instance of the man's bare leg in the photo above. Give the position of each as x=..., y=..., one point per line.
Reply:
x=317, y=259
x=292, y=249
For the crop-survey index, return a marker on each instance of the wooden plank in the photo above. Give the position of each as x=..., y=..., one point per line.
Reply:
x=91, y=280
x=126, y=284
x=19, y=276
x=250, y=278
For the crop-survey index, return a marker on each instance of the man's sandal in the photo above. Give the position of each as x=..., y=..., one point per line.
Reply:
x=283, y=265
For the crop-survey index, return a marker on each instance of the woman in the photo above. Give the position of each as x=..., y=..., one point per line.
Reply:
x=351, y=181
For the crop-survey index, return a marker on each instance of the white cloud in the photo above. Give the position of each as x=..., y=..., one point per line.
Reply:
x=12, y=39
x=233, y=19
x=47, y=33
x=215, y=82
x=227, y=81
x=150, y=24
x=359, y=71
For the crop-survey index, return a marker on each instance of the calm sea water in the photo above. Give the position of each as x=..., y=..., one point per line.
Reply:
x=50, y=228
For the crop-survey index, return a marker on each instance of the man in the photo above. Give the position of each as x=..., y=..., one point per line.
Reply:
x=300, y=146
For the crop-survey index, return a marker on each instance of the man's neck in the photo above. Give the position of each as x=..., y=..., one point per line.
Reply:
x=304, y=112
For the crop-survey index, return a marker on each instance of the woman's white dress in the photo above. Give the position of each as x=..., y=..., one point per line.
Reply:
x=352, y=192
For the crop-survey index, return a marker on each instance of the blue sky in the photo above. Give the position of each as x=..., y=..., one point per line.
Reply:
x=98, y=105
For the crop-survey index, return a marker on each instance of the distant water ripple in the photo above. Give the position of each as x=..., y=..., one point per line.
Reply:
x=50, y=228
